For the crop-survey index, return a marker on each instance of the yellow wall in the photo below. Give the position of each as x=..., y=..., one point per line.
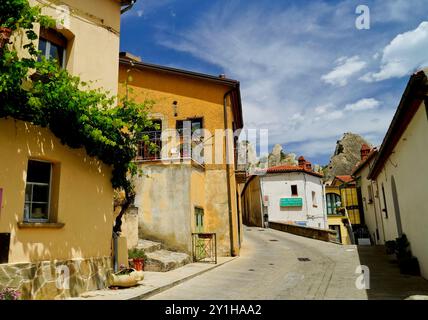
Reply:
x=349, y=198
x=85, y=197
x=92, y=29
x=208, y=186
x=337, y=219
x=252, y=205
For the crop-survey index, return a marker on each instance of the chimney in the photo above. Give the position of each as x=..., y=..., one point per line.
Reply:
x=302, y=161
x=308, y=166
x=222, y=76
x=129, y=56
x=365, y=150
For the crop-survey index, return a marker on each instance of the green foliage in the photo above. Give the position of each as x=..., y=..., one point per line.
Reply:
x=77, y=115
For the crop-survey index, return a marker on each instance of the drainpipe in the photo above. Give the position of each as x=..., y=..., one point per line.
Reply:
x=229, y=200
x=129, y=7
x=115, y=253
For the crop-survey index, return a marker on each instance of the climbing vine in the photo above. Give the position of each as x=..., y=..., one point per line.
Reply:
x=40, y=92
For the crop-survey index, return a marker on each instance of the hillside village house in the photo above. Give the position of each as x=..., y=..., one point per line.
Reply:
x=369, y=198
x=345, y=215
x=181, y=191
x=56, y=203
x=398, y=177
x=287, y=194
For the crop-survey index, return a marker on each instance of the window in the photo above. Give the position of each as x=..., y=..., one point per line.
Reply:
x=370, y=194
x=336, y=228
x=314, y=199
x=294, y=190
x=37, y=191
x=385, y=209
x=196, y=138
x=53, y=45
x=151, y=150
x=333, y=203
x=199, y=220
x=195, y=124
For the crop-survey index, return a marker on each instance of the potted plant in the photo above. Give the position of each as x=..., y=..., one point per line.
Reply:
x=137, y=257
x=9, y=294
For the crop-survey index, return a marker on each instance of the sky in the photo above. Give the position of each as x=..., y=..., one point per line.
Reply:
x=307, y=73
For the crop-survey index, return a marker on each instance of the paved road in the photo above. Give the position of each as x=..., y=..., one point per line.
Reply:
x=269, y=268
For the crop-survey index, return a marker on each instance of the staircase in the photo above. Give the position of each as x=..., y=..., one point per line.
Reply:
x=161, y=260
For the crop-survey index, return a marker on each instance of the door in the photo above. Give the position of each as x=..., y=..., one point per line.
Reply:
x=336, y=228
x=199, y=228
x=199, y=220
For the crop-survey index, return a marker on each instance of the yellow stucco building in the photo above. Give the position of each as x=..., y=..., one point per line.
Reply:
x=343, y=209
x=56, y=203
x=182, y=191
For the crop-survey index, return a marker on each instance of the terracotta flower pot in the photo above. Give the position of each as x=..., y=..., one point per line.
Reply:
x=5, y=34
x=138, y=264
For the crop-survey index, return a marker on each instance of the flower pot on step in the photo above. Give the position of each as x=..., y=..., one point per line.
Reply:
x=138, y=264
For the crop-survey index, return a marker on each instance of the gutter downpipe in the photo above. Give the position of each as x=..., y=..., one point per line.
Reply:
x=229, y=200
x=129, y=7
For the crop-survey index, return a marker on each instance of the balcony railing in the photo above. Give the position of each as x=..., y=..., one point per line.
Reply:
x=151, y=150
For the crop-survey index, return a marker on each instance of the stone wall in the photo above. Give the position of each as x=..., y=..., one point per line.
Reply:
x=43, y=280
x=313, y=233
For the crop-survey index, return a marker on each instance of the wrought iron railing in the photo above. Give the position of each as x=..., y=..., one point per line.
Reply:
x=151, y=149
x=204, y=247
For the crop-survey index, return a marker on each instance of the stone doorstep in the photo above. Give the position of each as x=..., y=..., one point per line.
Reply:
x=164, y=260
x=156, y=283
x=149, y=246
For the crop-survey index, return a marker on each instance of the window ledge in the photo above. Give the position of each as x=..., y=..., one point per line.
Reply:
x=40, y=225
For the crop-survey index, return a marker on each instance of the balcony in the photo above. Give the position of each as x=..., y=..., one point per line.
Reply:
x=151, y=150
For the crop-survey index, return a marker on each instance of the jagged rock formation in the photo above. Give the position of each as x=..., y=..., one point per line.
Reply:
x=276, y=158
x=346, y=156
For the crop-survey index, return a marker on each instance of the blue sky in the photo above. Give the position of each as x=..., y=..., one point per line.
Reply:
x=307, y=73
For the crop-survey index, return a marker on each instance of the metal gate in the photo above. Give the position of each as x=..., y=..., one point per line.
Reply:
x=204, y=247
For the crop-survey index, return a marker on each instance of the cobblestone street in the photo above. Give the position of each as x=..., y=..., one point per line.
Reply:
x=277, y=265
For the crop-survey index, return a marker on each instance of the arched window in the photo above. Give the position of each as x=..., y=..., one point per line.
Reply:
x=333, y=202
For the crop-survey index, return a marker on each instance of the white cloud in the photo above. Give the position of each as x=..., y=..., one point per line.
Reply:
x=406, y=53
x=363, y=104
x=279, y=56
x=345, y=69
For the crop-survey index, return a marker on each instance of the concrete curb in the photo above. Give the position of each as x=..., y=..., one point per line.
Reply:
x=163, y=288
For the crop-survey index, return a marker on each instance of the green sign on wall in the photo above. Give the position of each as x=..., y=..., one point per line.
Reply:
x=291, y=202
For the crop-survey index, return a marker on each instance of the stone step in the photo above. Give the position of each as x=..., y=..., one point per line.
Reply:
x=164, y=260
x=149, y=246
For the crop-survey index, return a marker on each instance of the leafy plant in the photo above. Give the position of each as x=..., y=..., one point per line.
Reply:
x=9, y=294
x=137, y=253
x=40, y=92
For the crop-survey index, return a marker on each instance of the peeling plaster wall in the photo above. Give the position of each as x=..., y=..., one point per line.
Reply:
x=163, y=199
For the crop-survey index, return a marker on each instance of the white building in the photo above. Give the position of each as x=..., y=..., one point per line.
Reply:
x=394, y=182
x=288, y=194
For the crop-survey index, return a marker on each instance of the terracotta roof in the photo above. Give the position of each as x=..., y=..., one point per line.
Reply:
x=361, y=164
x=234, y=85
x=291, y=168
x=411, y=100
x=346, y=179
